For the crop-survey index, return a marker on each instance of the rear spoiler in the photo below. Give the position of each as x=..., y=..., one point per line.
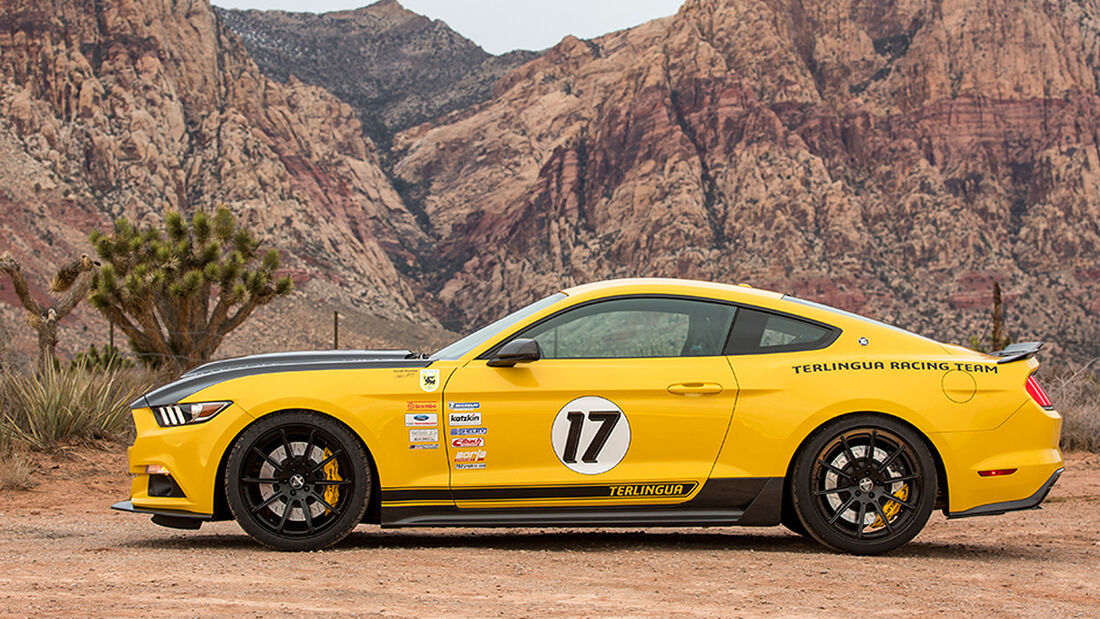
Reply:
x=1015, y=352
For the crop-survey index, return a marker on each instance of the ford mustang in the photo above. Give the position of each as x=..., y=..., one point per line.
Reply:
x=642, y=402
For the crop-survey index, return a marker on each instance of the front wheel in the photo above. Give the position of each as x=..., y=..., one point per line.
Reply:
x=297, y=481
x=864, y=484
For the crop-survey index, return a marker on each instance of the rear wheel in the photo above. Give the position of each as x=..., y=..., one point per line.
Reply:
x=864, y=485
x=297, y=481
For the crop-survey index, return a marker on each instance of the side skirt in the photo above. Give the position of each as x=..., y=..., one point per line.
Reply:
x=721, y=502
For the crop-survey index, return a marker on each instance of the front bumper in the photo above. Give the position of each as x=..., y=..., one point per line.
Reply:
x=192, y=454
x=171, y=518
x=994, y=509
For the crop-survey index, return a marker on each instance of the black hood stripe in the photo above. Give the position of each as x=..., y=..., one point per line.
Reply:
x=220, y=371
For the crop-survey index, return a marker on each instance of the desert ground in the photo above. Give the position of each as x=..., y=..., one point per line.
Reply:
x=63, y=552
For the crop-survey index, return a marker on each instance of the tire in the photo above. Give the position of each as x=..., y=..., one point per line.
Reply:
x=308, y=500
x=864, y=484
x=789, y=517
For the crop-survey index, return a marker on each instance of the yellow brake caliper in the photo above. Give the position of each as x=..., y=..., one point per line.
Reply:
x=892, y=508
x=332, y=473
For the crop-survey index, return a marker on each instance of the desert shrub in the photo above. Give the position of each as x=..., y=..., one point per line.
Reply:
x=60, y=406
x=105, y=359
x=1076, y=395
x=16, y=469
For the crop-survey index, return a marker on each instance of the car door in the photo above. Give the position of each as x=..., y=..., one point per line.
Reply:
x=629, y=404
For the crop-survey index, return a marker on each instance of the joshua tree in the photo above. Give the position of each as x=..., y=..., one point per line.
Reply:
x=176, y=294
x=73, y=279
x=997, y=338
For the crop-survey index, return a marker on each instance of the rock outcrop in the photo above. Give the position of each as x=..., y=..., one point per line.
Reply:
x=891, y=158
x=131, y=108
x=395, y=67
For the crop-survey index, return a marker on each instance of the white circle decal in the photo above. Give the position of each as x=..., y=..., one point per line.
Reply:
x=590, y=435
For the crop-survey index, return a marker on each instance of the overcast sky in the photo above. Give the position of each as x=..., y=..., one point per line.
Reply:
x=503, y=25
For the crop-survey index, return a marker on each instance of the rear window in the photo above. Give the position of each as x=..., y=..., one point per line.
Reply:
x=756, y=332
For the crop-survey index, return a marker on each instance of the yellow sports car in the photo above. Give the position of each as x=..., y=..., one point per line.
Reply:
x=643, y=402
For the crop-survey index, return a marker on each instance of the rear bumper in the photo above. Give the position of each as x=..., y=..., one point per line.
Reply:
x=994, y=509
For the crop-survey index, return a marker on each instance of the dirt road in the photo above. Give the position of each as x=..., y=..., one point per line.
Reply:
x=62, y=552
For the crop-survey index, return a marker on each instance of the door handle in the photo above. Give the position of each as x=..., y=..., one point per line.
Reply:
x=690, y=389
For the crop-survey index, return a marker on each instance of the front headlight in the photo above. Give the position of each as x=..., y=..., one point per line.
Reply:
x=183, y=414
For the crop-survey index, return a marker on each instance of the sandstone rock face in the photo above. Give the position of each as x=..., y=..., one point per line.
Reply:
x=396, y=68
x=890, y=158
x=136, y=107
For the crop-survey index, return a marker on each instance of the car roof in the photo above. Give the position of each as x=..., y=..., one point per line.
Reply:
x=659, y=285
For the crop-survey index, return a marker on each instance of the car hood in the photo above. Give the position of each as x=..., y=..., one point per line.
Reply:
x=220, y=371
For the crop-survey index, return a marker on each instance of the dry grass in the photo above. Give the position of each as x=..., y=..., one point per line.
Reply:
x=16, y=470
x=58, y=407
x=1076, y=395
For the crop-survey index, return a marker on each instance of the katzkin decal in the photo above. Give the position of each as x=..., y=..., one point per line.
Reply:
x=429, y=380
x=590, y=435
x=464, y=419
x=421, y=419
x=424, y=435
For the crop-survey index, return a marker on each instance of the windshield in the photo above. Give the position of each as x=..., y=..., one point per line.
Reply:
x=475, y=339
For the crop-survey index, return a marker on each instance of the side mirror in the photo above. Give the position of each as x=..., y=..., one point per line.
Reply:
x=516, y=351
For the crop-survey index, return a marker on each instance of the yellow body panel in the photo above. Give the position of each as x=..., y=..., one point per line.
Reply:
x=973, y=411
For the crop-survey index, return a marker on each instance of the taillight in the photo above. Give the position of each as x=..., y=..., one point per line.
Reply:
x=1036, y=392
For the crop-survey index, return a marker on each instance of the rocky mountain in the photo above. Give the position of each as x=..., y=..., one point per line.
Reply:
x=131, y=108
x=395, y=67
x=891, y=158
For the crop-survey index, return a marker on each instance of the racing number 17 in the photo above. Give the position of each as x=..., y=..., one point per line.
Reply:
x=607, y=421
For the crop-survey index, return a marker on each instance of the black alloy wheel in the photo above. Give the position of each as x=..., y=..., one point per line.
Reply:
x=297, y=481
x=864, y=484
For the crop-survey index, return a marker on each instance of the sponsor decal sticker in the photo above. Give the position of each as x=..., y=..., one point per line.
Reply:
x=428, y=435
x=429, y=380
x=468, y=431
x=467, y=466
x=464, y=406
x=421, y=405
x=910, y=366
x=404, y=373
x=464, y=419
x=477, y=455
x=421, y=419
x=467, y=442
x=590, y=435
x=652, y=490
x=424, y=446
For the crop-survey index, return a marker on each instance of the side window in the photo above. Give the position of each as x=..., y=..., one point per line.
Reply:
x=635, y=328
x=762, y=332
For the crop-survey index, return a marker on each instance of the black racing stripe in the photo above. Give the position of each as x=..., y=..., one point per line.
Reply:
x=637, y=490
x=172, y=393
x=417, y=494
